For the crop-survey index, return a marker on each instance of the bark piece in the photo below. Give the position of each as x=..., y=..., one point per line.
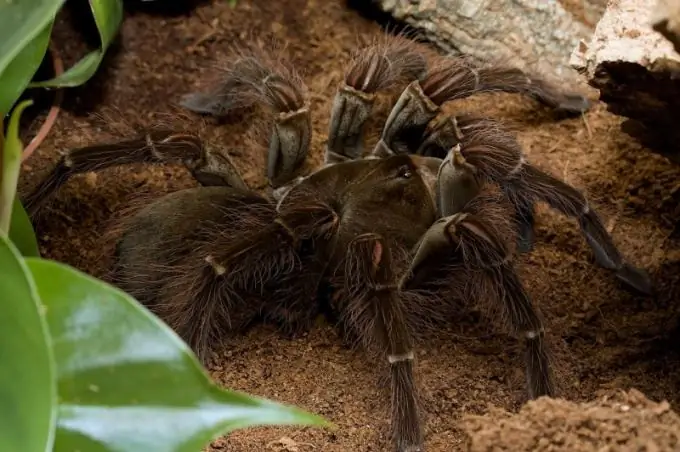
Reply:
x=536, y=35
x=666, y=20
x=637, y=72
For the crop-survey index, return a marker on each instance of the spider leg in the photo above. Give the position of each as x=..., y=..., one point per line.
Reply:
x=497, y=157
x=479, y=266
x=533, y=183
x=455, y=78
x=374, y=69
x=257, y=78
x=375, y=312
x=159, y=146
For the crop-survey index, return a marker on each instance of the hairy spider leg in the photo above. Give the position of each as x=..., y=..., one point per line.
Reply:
x=494, y=155
x=254, y=77
x=465, y=257
x=456, y=78
x=374, y=312
x=208, y=166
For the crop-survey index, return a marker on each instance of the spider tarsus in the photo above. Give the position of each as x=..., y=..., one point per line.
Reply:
x=571, y=202
x=539, y=373
x=574, y=104
x=636, y=278
x=406, y=426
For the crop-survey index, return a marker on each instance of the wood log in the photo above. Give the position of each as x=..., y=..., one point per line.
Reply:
x=637, y=71
x=534, y=35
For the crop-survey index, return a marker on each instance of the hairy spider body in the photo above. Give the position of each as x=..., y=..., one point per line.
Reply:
x=432, y=216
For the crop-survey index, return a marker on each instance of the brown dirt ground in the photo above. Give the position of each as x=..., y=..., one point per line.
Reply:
x=605, y=338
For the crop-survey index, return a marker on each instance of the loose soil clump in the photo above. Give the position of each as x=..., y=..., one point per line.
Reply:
x=604, y=338
x=623, y=421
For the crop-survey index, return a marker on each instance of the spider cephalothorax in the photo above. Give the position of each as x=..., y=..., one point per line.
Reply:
x=391, y=241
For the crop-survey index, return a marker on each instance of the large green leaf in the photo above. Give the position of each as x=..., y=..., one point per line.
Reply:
x=126, y=380
x=27, y=374
x=19, y=72
x=21, y=231
x=108, y=15
x=20, y=22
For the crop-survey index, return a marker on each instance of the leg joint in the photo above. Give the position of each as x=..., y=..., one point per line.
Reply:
x=394, y=359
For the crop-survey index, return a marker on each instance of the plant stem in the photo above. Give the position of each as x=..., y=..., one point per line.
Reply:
x=12, y=149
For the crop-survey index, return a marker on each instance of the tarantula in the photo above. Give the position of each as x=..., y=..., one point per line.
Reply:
x=385, y=243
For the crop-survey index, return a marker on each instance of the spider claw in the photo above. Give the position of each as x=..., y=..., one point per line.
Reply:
x=350, y=111
x=436, y=241
x=203, y=103
x=636, y=278
x=574, y=103
x=413, y=109
x=288, y=145
x=457, y=183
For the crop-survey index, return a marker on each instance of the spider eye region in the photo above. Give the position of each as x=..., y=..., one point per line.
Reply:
x=405, y=172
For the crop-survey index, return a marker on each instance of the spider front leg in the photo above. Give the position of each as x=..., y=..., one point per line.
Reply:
x=454, y=78
x=255, y=77
x=374, y=312
x=465, y=256
x=160, y=146
x=374, y=69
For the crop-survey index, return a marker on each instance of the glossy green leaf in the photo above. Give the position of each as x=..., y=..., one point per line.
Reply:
x=108, y=15
x=20, y=22
x=126, y=380
x=19, y=72
x=21, y=231
x=10, y=164
x=27, y=374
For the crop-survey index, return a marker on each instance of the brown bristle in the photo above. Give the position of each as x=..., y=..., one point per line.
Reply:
x=490, y=147
x=450, y=79
x=252, y=76
x=386, y=63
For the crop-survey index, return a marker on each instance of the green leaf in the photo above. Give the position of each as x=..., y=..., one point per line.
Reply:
x=27, y=374
x=19, y=72
x=108, y=15
x=127, y=382
x=20, y=22
x=10, y=163
x=21, y=231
